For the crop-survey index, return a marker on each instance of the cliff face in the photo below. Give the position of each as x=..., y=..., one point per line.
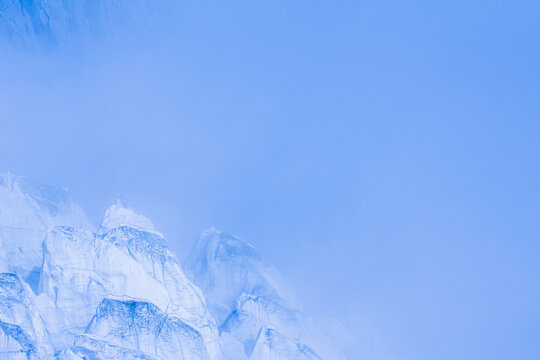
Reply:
x=28, y=208
x=120, y=292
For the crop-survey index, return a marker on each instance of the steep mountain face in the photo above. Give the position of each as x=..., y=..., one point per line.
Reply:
x=28, y=208
x=121, y=293
x=271, y=344
x=81, y=268
x=225, y=267
x=244, y=296
x=141, y=326
x=22, y=334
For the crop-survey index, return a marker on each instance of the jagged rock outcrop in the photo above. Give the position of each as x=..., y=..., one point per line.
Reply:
x=273, y=345
x=121, y=293
x=143, y=328
x=81, y=268
x=28, y=208
x=22, y=334
x=244, y=295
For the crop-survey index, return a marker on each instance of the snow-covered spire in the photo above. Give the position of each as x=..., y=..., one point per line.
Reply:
x=120, y=215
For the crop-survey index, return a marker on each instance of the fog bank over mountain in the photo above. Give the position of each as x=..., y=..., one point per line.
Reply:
x=381, y=155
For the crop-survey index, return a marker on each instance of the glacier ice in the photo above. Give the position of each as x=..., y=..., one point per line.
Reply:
x=70, y=293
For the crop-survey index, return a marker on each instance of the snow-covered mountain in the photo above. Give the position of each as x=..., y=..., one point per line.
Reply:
x=245, y=295
x=69, y=292
x=28, y=208
x=22, y=332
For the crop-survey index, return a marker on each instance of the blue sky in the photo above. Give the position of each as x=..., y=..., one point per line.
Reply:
x=383, y=154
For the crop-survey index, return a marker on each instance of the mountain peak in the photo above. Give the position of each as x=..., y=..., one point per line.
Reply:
x=119, y=215
x=122, y=293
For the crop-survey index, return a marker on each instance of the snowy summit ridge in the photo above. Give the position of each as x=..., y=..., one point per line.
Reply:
x=118, y=215
x=67, y=292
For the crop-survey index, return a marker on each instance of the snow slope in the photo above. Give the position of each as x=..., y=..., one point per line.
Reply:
x=22, y=334
x=245, y=296
x=81, y=268
x=142, y=327
x=28, y=208
x=68, y=292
